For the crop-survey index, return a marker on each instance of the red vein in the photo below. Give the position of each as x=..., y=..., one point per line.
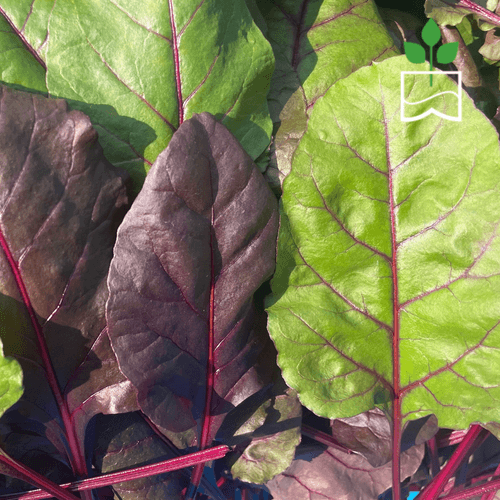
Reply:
x=130, y=88
x=449, y=366
x=175, y=44
x=190, y=96
x=210, y=372
x=79, y=462
x=298, y=34
x=24, y=41
x=141, y=25
x=443, y=217
x=191, y=17
x=377, y=376
x=396, y=405
x=464, y=275
x=177, y=463
x=342, y=226
x=345, y=299
x=139, y=156
x=340, y=14
x=28, y=16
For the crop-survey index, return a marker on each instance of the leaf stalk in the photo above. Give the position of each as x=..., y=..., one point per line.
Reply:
x=127, y=475
x=473, y=438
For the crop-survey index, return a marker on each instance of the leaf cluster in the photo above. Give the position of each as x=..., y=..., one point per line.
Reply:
x=229, y=269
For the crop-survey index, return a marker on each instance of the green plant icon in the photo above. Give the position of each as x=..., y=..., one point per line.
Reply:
x=431, y=35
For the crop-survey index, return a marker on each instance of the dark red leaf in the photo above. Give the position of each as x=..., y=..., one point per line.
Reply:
x=61, y=202
x=198, y=241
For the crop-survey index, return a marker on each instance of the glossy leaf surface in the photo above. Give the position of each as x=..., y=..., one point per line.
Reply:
x=198, y=241
x=388, y=275
x=138, y=69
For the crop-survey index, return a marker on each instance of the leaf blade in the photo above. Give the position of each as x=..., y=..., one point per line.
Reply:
x=315, y=44
x=349, y=292
x=172, y=377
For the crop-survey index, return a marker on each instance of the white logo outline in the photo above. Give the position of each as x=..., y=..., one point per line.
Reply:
x=432, y=110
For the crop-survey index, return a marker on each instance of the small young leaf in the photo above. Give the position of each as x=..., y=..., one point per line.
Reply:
x=414, y=52
x=11, y=381
x=431, y=34
x=447, y=52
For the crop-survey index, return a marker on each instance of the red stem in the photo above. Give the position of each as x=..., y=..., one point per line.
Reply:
x=175, y=47
x=322, y=437
x=210, y=375
x=491, y=495
x=475, y=435
x=396, y=404
x=433, y=453
x=475, y=491
x=491, y=17
x=127, y=475
x=30, y=476
x=77, y=459
x=452, y=438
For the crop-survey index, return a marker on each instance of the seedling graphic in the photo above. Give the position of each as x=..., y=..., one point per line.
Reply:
x=431, y=35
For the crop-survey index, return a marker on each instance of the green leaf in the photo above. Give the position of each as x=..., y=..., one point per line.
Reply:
x=11, y=380
x=271, y=434
x=384, y=219
x=444, y=13
x=414, y=52
x=19, y=67
x=139, y=69
x=466, y=32
x=431, y=34
x=491, y=48
x=336, y=38
x=447, y=53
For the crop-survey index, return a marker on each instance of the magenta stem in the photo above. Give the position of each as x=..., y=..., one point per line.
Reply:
x=323, y=438
x=127, y=475
x=433, y=453
x=475, y=491
x=30, y=476
x=77, y=459
x=491, y=17
x=435, y=488
x=491, y=495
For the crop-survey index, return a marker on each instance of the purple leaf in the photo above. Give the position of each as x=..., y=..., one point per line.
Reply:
x=61, y=202
x=198, y=241
x=334, y=475
x=369, y=434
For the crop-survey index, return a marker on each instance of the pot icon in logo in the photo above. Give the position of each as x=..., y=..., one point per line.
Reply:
x=413, y=109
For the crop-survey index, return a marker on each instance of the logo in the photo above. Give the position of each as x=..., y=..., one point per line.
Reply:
x=416, y=54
